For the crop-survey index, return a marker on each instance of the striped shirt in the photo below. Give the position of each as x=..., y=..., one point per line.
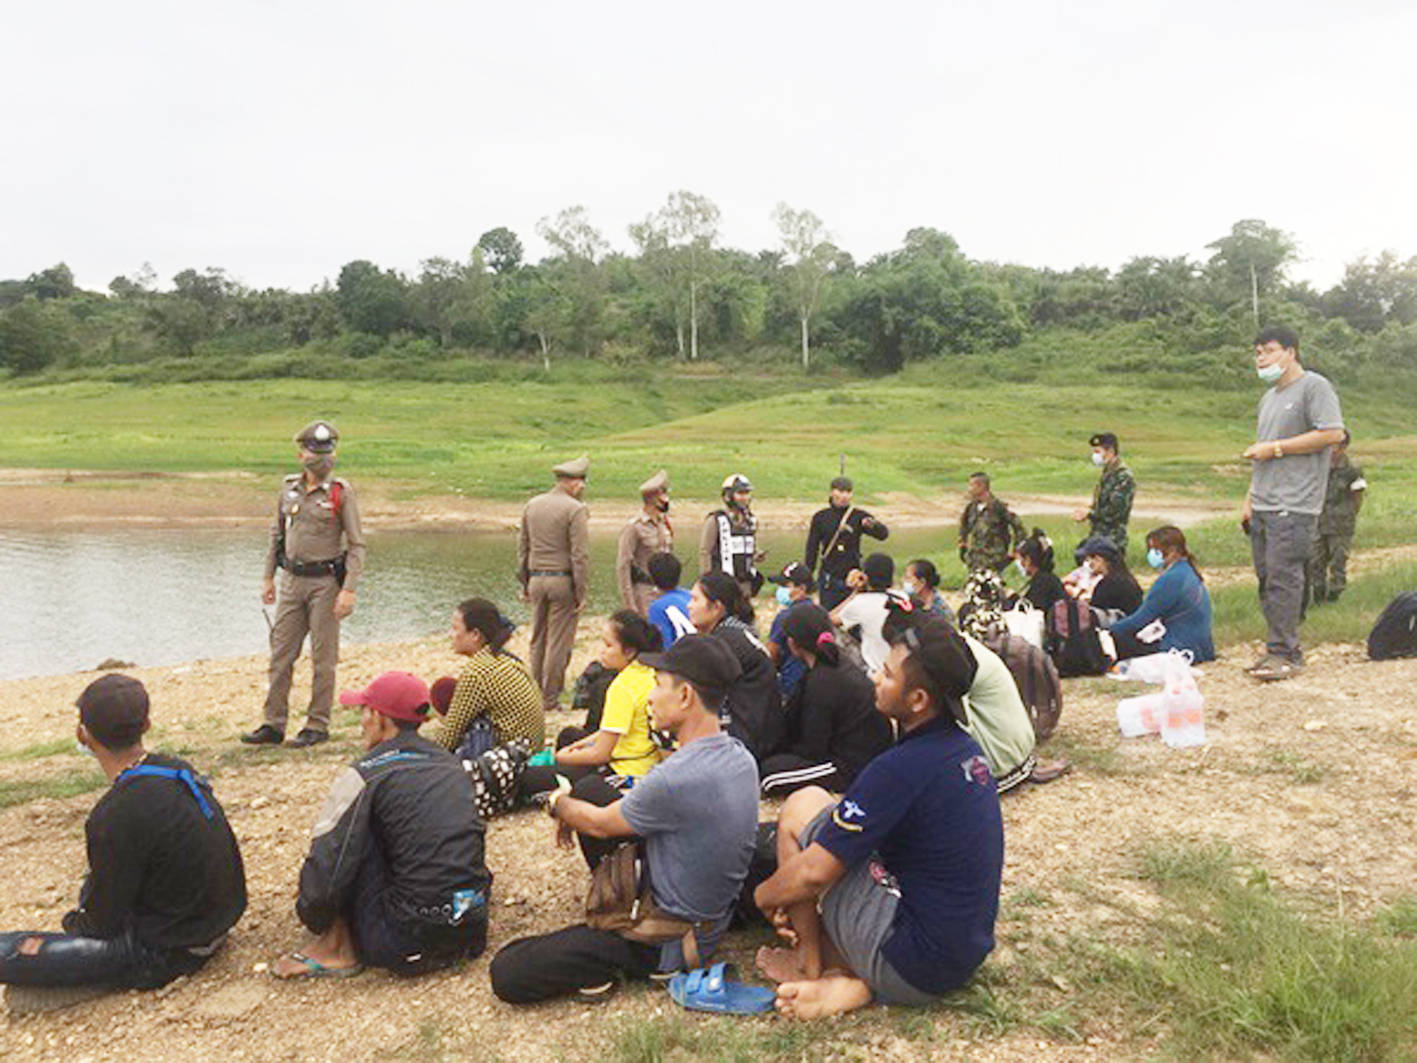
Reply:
x=495, y=685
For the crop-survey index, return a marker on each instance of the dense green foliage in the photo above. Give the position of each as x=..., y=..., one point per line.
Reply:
x=682, y=296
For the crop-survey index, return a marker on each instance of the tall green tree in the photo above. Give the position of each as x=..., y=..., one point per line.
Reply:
x=578, y=246
x=371, y=299
x=807, y=244
x=35, y=334
x=661, y=267
x=1249, y=263
x=1373, y=293
x=502, y=249
x=692, y=222
x=56, y=282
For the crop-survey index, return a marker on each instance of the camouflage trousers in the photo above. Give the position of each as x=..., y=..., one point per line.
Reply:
x=1328, y=566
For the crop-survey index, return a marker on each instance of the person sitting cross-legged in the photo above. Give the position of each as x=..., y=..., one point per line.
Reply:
x=695, y=815
x=165, y=880
x=395, y=876
x=891, y=893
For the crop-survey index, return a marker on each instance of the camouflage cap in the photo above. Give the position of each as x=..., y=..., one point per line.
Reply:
x=318, y=437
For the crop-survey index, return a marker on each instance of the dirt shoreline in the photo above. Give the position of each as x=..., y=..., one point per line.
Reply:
x=57, y=498
x=1287, y=777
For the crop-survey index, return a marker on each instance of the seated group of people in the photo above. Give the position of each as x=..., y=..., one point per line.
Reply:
x=1174, y=613
x=889, y=892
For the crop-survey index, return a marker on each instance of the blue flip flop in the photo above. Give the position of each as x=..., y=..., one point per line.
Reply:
x=709, y=989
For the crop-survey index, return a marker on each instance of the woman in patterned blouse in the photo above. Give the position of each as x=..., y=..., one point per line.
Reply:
x=494, y=685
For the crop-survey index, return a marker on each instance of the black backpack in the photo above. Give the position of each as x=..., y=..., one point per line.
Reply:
x=1395, y=633
x=1073, y=641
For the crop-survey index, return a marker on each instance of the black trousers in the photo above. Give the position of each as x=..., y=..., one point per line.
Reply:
x=784, y=773
x=68, y=960
x=539, y=780
x=382, y=940
x=557, y=964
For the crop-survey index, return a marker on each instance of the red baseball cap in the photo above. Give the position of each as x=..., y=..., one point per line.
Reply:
x=400, y=695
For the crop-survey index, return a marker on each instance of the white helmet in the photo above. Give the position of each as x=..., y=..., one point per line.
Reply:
x=735, y=483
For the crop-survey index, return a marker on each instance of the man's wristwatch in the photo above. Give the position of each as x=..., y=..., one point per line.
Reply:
x=556, y=795
x=1278, y=450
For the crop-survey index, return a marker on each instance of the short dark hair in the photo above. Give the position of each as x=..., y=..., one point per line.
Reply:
x=980, y=476
x=939, y=662
x=879, y=570
x=636, y=633
x=1280, y=334
x=842, y=483
x=1346, y=439
x=1105, y=439
x=114, y=711
x=664, y=570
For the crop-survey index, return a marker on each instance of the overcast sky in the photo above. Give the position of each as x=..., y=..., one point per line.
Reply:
x=280, y=140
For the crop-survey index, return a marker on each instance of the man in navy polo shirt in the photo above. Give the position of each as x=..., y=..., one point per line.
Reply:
x=905, y=866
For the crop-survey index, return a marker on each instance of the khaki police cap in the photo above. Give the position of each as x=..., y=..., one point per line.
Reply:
x=573, y=470
x=318, y=437
x=656, y=483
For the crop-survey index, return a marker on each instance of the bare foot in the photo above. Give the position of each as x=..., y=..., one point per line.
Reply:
x=831, y=995
x=288, y=965
x=781, y=965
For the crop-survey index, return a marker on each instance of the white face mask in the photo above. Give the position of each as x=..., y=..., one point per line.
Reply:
x=1097, y=458
x=1021, y=570
x=1269, y=373
x=909, y=586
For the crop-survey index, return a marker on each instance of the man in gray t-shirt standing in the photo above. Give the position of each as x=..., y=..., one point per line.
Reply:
x=1299, y=420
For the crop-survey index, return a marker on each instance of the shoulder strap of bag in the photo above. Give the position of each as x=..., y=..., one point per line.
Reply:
x=837, y=534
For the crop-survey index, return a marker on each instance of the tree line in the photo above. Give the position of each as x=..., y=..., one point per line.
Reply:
x=681, y=294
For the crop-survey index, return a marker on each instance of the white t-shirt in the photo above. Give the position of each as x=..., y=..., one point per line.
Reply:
x=867, y=611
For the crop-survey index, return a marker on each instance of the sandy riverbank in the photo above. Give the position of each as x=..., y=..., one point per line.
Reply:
x=1312, y=779
x=31, y=498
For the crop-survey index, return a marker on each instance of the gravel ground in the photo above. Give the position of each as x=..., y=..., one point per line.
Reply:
x=1314, y=779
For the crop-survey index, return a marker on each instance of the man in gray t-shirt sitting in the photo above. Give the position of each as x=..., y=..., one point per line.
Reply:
x=696, y=815
x=1299, y=420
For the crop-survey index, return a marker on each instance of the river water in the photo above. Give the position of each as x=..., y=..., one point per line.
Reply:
x=71, y=599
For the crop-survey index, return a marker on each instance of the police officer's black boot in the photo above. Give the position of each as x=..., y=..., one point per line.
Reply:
x=265, y=735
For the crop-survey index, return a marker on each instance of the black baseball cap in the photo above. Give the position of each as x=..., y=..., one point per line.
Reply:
x=703, y=660
x=114, y=709
x=795, y=572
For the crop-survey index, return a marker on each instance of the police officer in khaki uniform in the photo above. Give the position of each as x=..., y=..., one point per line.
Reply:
x=649, y=533
x=553, y=561
x=317, y=582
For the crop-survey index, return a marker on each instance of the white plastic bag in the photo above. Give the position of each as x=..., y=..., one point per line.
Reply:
x=1140, y=715
x=1182, y=719
x=1150, y=668
x=1025, y=622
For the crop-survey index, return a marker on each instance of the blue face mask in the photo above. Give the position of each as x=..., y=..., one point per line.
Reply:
x=784, y=597
x=1154, y=557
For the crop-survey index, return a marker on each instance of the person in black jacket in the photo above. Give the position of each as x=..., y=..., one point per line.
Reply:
x=395, y=876
x=1035, y=561
x=833, y=728
x=752, y=711
x=1116, y=593
x=835, y=535
x=165, y=880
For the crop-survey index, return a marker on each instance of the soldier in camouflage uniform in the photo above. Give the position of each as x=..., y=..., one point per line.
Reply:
x=989, y=531
x=1112, y=497
x=1328, y=563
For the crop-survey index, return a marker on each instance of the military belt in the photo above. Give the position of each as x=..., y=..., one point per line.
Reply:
x=311, y=568
x=548, y=572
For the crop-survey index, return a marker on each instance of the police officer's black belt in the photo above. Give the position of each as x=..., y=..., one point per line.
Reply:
x=548, y=572
x=311, y=568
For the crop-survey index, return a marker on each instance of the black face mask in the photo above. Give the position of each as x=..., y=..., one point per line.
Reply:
x=662, y=505
x=320, y=465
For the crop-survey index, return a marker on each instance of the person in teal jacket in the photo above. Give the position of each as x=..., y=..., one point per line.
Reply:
x=1175, y=615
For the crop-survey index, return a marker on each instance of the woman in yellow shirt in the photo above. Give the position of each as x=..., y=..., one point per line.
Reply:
x=623, y=745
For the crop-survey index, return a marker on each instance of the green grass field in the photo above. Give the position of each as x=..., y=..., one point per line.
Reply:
x=921, y=432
